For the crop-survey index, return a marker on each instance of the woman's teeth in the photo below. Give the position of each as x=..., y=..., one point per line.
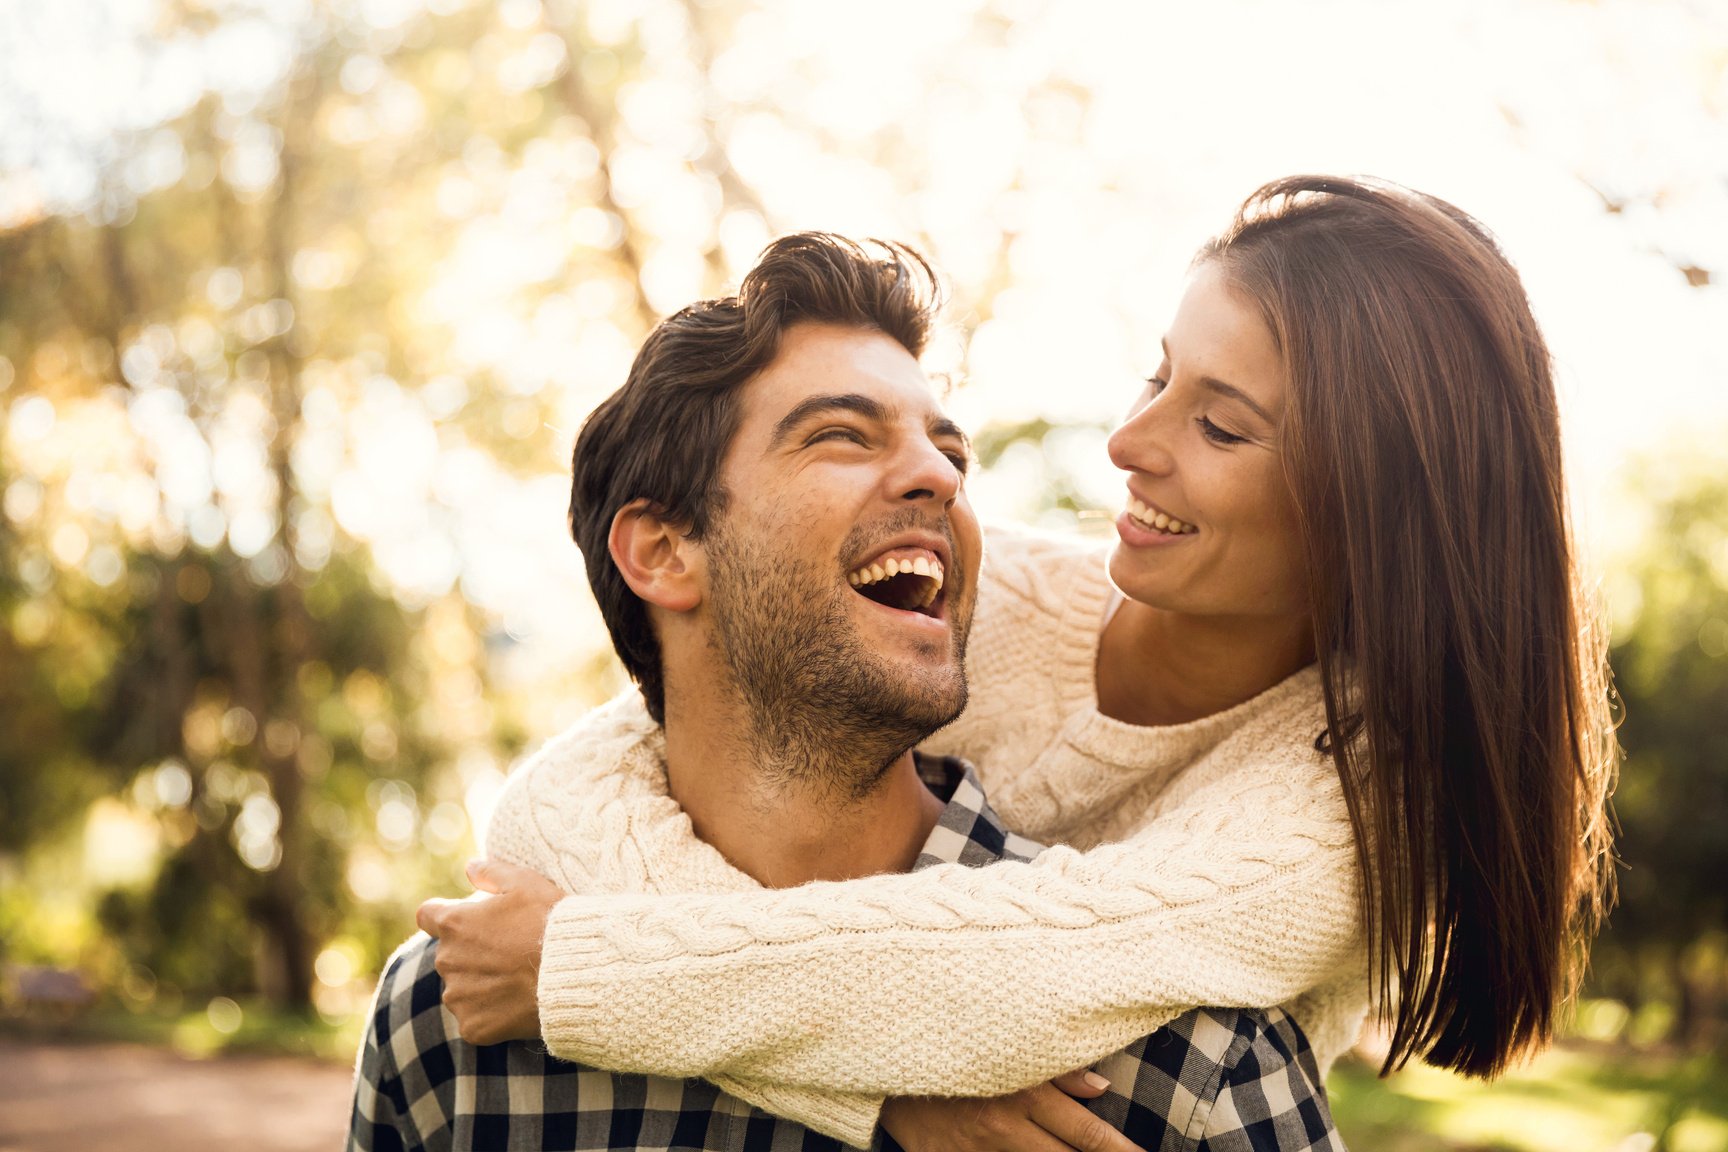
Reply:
x=922, y=596
x=1158, y=521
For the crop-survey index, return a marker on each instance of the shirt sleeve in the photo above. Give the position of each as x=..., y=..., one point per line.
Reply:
x=379, y=1119
x=1271, y=1097
x=962, y=981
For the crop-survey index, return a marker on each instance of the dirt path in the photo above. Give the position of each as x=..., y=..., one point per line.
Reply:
x=128, y=1098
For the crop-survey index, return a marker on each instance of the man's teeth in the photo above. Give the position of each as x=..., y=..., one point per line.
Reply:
x=923, y=566
x=1161, y=521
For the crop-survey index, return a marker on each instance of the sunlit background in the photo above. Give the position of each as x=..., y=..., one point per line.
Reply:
x=302, y=304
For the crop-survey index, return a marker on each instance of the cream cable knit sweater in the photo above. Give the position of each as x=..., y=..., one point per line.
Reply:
x=1218, y=868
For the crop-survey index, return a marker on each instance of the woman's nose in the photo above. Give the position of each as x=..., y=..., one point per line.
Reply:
x=1140, y=443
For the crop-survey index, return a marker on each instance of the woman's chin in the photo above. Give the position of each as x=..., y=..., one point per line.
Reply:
x=1128, y=573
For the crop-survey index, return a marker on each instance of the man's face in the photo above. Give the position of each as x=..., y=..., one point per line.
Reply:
x=843, y=564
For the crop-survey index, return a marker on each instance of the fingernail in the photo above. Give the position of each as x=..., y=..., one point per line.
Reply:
x=1096, y=1081
x=471, y=866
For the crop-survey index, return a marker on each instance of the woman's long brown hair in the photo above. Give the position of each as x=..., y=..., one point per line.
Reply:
x=1463, y=669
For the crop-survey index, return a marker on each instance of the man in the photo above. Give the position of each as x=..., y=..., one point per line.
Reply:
x=773, y=516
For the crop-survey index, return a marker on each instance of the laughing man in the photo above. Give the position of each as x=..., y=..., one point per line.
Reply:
x=773, y=515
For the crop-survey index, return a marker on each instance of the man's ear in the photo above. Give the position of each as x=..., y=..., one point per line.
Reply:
x=662, y=565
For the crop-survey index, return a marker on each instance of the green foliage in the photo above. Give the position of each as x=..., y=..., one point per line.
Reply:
x=1668, y=940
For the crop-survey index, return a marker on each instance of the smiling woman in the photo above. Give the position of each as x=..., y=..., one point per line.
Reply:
x=1336, y=734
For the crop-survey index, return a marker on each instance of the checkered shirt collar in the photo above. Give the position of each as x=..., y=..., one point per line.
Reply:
x=969, y=831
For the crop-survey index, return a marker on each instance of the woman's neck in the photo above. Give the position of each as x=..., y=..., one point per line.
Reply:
x=1157, y=667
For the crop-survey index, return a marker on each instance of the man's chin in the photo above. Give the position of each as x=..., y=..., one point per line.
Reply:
x=932, y=703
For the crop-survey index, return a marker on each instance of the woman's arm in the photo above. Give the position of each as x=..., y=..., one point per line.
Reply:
x=488, y=954
x=959, y=981
x=1244, y=894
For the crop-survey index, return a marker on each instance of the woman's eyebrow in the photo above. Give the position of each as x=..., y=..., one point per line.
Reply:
x=1234, y=393
x=1230, y=391
x=865, y=406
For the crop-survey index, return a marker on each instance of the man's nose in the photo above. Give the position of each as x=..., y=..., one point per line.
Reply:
x=928, y=474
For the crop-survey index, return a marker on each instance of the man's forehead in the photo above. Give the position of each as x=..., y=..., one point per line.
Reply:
x=818, y=362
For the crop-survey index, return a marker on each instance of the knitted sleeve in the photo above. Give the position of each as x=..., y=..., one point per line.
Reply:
x=963, y=981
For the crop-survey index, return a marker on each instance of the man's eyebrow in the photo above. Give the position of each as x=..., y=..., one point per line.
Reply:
x=864, y=406
x=1227, y=390
x=942, y=426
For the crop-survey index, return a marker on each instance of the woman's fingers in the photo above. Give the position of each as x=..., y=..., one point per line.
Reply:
x=497, y=877
x=432, y=914
x=1083, y=1083
x=488, y=954
x=1068, y=1120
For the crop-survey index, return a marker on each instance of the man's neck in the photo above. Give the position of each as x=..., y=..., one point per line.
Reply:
x=783, y=819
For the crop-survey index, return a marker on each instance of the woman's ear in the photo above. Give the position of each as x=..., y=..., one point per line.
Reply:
x=662, y=565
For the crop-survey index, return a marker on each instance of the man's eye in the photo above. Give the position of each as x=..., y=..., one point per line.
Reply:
x=1216, y=434
x=850, y=435
x=962, y=463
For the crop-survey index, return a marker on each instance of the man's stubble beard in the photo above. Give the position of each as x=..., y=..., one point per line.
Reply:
x=826, y=712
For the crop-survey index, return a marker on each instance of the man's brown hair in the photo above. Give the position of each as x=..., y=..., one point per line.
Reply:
x=662, y=436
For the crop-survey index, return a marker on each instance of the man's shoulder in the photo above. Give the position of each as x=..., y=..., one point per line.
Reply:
x=581, y=766
x=410, y=990
x=1234, y=1039
x=1215, y=1072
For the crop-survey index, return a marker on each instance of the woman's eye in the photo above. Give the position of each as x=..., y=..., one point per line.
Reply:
x=1155, y=385
x=1216, y=434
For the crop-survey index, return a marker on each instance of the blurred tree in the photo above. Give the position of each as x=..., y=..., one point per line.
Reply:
x=39, y=793
x=1669, y=937
x=264, y=373
x=189, y=611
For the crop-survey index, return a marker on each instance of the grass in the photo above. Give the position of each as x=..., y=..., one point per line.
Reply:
x=1574, y=1098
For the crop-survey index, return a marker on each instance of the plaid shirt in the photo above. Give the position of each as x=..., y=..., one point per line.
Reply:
x=1214, y=1080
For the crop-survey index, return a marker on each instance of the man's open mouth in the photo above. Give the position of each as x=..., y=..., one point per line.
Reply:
x=908, y=579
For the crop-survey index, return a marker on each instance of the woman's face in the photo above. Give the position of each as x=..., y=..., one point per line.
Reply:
x=1210, y=524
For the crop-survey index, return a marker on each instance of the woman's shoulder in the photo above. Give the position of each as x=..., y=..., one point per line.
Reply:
x=1041, y=602
x=1038, y=566
x=1270, y=766
x=1042, y=598
x=588, y=751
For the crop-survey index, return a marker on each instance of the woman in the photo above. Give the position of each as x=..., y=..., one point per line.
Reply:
x=1333, y=732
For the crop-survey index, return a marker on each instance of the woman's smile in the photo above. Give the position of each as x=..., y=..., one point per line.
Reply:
x=1152, y=518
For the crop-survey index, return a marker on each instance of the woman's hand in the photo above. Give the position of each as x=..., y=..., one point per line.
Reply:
x=1043, y=1118
x=489, y=951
